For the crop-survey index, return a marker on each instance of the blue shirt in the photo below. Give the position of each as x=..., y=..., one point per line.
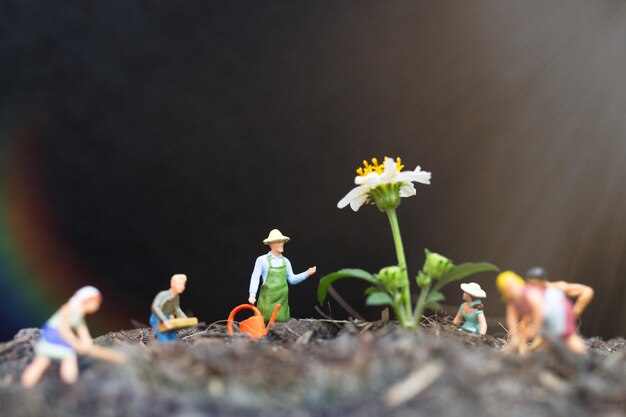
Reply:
x=262, y=268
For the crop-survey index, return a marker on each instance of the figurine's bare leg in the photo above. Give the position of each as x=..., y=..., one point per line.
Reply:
x=576, y=344
x=33, y=373
x=69, y=370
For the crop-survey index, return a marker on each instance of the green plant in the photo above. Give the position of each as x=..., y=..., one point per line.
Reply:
x=384, y=185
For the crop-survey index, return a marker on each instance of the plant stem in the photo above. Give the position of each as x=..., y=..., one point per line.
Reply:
x=419, y=307
x=397, y=240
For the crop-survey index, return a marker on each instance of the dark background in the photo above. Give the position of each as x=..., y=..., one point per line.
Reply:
x=171, y=137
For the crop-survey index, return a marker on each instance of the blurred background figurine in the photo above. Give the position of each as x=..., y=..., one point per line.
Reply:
x=275, y=271
x=64, y=334
x=580, y=293
x=471, y=311
x=531, y=307
x=166, y=308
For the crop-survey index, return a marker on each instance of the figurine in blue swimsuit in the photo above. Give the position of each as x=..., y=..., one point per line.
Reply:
x=471, y=311
x=64, y=335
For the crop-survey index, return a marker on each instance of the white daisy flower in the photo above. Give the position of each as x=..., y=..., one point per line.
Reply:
x=375, y=181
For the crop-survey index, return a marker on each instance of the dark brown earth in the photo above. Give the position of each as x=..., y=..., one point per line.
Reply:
x=322, y=368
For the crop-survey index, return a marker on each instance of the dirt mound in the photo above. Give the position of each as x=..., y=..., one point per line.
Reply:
x=322, y=368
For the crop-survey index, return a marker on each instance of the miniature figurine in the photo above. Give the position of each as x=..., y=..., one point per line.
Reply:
x=582, y=294
x=64, y=334
x=547, y=308
x=275, y=271
x=471, y=311
x=166, y=313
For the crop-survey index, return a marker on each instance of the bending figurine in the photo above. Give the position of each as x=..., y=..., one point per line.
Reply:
x=582, y=294
x=546, y=308
x=64, y=334
x=166, y=305
x=471, y=311
x=275, y=271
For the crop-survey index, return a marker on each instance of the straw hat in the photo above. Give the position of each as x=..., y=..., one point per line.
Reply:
x=275, y=236
x=474, y=290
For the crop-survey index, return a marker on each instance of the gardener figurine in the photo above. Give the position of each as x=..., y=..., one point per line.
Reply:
x=544, y=308
x=62, y=336
x=471, y=311
x=580, y=293
x=276, y=272
x=165, y=305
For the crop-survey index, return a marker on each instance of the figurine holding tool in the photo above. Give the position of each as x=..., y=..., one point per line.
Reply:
x=166, y=313
x=276, y=272
x=65, y=334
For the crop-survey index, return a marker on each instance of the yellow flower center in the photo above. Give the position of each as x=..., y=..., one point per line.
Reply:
x=376, y=167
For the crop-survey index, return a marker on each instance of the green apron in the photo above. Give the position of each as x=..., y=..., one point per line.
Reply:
x=274, y=291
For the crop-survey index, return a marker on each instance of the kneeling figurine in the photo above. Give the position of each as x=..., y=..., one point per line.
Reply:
x=471, y=311
x=64, y=334
x=531, y=307
x=167, y=316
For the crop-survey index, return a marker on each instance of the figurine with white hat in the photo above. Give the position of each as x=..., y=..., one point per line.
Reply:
x=276, y=272
x=62, y=336
x=471, y=311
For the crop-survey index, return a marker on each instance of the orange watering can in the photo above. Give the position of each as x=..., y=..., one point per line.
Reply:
x=254, y=325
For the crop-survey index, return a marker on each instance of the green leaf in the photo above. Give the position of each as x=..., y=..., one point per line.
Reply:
x=370, y=290
x=322, y=289
x=464, y=270
x=432, y=306
x=378, y=299
x=435, y=297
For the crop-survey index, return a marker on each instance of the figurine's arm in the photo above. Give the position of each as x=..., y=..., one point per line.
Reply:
x=524, y=333
x=457, y=318
x=156, y=307
x=65, y=329
x=294, y=279
x=482, y=323
x=535, y=301
x=526, y=329
x=582, y=293
x=512, y=319
x=83, y=335
x=179, y=313
x=254, y=280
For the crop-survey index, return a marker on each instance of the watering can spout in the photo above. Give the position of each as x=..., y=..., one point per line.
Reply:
x=273, y=318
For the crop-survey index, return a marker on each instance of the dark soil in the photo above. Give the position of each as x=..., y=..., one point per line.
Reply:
x=322, y=368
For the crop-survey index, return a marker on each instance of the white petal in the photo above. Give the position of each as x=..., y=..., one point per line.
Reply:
x=389, y=172
x=407, y=190
x=357, y=194
x=414, y=176
x=358, y=202
x=369, y=181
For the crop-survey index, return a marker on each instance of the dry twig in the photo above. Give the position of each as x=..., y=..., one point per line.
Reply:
x=413, y=385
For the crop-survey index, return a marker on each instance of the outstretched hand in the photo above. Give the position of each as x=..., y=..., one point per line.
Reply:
x=311, y=270
x=83, y=346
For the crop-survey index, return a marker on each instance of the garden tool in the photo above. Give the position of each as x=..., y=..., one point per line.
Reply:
x=105, y=354
x=179, y=323
x=254, y=325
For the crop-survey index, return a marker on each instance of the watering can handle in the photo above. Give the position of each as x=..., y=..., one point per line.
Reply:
x=236, y=310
